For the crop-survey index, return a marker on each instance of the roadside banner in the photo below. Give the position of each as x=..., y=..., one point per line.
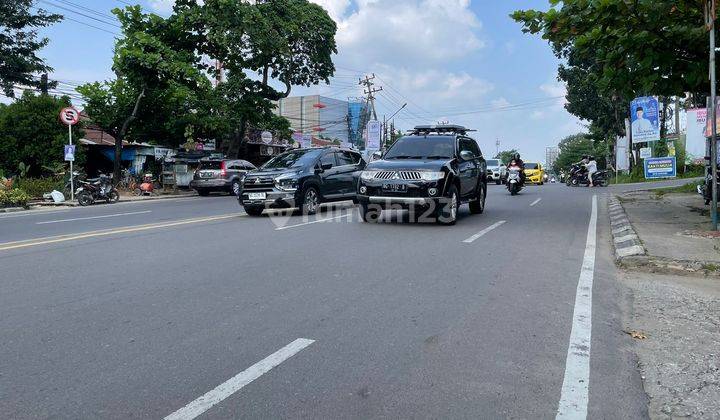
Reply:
x=622, y=145
x=645, y=153
x=374, y=130
x=695, y=140
x=660, y=168
x=645, y=114
x=306, y=140
x=69, y=153
x=708, y=122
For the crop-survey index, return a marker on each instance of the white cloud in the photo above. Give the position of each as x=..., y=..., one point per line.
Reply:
x=335, y=8
x=554, y=89
x=162, y=6
x=381, y=31
x=500, y=102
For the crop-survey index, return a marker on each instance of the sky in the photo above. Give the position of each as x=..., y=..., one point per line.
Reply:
x=461, y=61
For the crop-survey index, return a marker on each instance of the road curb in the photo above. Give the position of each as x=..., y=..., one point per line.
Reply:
x=625, y=239
x=12, y=209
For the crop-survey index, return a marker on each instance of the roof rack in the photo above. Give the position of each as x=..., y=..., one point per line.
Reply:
x=439, y=129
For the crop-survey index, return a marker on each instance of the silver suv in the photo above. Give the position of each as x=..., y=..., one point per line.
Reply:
x=496, y=171
x=220, y=175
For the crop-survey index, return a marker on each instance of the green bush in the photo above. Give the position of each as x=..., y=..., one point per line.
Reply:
x=36, y=187
x=13, y=198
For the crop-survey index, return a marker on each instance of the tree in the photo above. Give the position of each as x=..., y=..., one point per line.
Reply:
x=616, y=50
x=573, y=148
x=19, y=44
x=156, y=58
x=287, y=42
x=506, y=155
x=32, y=135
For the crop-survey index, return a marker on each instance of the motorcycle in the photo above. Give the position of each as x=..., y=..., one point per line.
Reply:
x=576, y=171
x=706, y=188
x=579, y=176
x=95, y=189
x=147, y=187
x=514, y=181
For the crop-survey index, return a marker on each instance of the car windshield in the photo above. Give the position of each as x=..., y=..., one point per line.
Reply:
x=531, y=166
x=211, y=164
x=294, y=159
x=493, y=162
x=416, y=147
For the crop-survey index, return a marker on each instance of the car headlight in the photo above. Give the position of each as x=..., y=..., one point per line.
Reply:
x=286, y=184
x=367, y=175
x=432, y=176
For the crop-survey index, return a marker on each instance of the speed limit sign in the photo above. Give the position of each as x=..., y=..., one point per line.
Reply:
x=69, y=116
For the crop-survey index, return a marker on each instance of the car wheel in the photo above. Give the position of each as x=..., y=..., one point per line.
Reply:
x=311, y=201
x=235, y=189
x=369, y=215
x=254, y=210
x=447, y=213
x=478, y=206
x=203, y=193
x=498, y=181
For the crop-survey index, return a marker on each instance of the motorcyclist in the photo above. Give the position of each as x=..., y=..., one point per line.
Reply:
x=515, y=160
x=591, y=167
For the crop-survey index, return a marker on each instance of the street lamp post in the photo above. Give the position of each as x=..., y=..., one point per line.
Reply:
x=390, y=119
x=710, y=16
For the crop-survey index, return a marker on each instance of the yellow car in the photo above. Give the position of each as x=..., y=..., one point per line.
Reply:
x=534, y=173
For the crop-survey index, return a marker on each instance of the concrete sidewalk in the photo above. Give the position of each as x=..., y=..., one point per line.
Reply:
x=124, y=197
x=674, y=230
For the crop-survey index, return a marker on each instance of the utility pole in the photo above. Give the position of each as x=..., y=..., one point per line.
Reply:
x=44, y=83
x=497, y=147
x=370, y=91
x=710, y=20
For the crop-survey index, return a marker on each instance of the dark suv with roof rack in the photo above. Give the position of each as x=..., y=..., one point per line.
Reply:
x=302, y=178
x=430, y=171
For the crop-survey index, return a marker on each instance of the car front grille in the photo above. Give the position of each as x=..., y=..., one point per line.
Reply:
x=258, y=184
x=404, y=175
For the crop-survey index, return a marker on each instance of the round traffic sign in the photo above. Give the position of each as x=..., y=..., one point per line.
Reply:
x=69, y=116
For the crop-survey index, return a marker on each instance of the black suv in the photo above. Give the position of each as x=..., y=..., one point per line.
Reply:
x=431, y=171
x=302, y=178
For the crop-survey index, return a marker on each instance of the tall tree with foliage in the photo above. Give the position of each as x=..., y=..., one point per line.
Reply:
x=505, y=156
x=19, y=44
x=281, y=42
x=573, y=148
x=615, y=50
x=156, y=57
x=31, y=134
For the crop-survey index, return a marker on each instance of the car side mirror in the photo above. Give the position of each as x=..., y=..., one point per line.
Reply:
x=377, y=155
x=466, y=155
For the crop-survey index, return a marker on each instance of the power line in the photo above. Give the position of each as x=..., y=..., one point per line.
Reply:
x=81, y=14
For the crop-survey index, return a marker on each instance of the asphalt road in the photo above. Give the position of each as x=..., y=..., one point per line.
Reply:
x=138, y=310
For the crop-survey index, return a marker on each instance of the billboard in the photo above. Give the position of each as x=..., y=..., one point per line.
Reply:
x=660, y=168
x=695, y=141
x=374, y=131
x=645, y=115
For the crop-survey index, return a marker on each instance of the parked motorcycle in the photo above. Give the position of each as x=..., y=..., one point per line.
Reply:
x=514, y=181
x=95, y=189
x=147, y=187
x=706, y=188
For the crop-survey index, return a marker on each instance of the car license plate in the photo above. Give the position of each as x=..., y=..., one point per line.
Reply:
x=395, y=187
x=206, y=174
x=256, y=196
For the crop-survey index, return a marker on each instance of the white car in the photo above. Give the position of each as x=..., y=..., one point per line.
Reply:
x=496, y=171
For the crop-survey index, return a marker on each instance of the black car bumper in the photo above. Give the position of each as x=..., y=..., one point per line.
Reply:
x=400, y=194
x=270, y=199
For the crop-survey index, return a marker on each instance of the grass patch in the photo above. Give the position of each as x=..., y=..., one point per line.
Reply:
x=711, y=267
x=640, y=176
x=689, y=188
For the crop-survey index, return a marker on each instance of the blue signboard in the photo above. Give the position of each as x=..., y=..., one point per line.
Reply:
x=664, y=167
x=645, y=114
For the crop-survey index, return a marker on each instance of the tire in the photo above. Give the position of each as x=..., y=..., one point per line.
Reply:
x=447, y=213
x=604, y=182
x=498, y=181
x=113, y=196
x=369, y=215
x=84, y=199
x=541, y=183
x=311, y=201
x=202, y=192
x=235, y=188
x=254, y=210
x=478, y=206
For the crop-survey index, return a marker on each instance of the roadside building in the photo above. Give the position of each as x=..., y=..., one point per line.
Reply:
x=319, y=116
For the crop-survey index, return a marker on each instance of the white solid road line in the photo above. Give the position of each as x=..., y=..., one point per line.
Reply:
x=535, y=202
x=574, y=395
x=238, y=381
x=314, y=221
x=483, y=232
x=94, y=217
